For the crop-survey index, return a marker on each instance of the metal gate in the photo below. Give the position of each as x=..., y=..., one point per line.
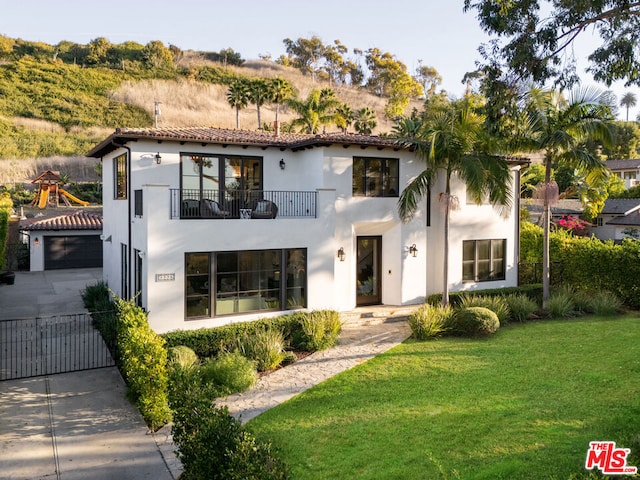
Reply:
x=49, y=345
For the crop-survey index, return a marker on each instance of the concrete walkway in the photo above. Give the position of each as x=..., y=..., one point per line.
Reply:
x=361, y=339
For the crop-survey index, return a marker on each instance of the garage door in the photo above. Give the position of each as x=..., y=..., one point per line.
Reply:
x=80, y=251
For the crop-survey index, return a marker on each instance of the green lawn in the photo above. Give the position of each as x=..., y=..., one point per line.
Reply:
x=524, y=403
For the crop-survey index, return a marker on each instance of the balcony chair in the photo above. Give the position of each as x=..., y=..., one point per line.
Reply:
x=264, y=209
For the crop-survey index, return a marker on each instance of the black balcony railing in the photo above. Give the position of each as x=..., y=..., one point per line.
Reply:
x=221, y=204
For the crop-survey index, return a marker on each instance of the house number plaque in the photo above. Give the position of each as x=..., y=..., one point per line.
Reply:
x=165, y=277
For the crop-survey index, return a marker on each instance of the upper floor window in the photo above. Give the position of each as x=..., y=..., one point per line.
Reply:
x=137, y=203
x=483, y=260
x=120, y=179
x=376, y=177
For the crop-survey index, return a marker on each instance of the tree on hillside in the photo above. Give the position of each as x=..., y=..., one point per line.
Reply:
x=428, y=77
x=317, y=110
x=627, y=101
x=98, y=51
x=259, y=94
x=365, y=121
x=305, y=53
x=533, y=40
x=451, y=142
x=279, y=91
x=559, y=127
x=156, y=56
x=238, y=97
x=344, y=117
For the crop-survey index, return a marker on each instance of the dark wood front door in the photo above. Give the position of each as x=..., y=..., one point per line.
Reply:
x=368, y=284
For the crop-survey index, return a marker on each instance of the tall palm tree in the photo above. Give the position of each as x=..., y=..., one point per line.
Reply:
x=318, y=109
x=558, y=127
x=238, y=97
x=365, y=121
x=280, y=90
x=452, y=142
x=628, y=100
x=259, y=94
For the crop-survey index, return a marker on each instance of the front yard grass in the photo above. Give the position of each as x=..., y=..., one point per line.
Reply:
x=522, y=404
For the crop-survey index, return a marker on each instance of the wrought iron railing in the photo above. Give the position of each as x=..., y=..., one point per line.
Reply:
x=223, y=204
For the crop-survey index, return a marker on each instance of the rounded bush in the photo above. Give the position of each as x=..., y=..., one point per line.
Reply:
x=182, y=355
x=476, y=321
x=230, y=372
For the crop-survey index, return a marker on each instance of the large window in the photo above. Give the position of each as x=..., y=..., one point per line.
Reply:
x=483, y=260
x=224, y=179
x=245, y=281
x=375, y=177
x=120, y=177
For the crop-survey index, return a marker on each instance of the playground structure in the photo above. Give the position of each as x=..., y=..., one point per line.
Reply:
x=50, y=191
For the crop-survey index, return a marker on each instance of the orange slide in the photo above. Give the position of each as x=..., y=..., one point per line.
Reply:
x=44, y=197
x=73, y=198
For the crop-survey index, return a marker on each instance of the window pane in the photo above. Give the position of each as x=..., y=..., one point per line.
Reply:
x=374, y=177
x=358, y=176
x=498, y=257
x=296, y=278
x=391, y=179
x=468, y=250
x=210, y=177
x=197, y=285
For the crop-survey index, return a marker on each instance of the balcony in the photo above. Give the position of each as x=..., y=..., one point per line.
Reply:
x=246, y=204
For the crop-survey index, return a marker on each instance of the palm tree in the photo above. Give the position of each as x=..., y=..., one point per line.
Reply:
x=259, y=94
x=365, y=121
x=452, y=142
x=559, y=127
x=280, y=90
x=628, y=100
x=238, y=97
x=345, y=117
x=317, y=110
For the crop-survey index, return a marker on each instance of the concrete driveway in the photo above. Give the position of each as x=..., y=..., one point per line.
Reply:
x=73, y=425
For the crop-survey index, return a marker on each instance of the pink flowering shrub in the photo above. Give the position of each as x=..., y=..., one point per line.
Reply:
x=573, y=224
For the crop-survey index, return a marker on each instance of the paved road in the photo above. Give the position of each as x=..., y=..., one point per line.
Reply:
x=73, y=425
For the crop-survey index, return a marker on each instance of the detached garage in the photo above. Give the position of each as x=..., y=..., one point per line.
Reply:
x=63, y=241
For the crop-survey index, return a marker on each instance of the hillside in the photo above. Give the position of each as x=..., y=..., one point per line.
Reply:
x=53, y=110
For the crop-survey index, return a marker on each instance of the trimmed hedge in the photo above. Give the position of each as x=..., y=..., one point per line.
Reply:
x=210, y=342
x=534, y=292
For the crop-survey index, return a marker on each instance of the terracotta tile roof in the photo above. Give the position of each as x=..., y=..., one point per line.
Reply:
x=69, y=221
x=221, y=136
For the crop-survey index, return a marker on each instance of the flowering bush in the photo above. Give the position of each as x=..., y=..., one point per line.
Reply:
x=573, y=224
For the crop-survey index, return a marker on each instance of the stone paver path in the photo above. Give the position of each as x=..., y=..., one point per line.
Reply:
x=358, y=342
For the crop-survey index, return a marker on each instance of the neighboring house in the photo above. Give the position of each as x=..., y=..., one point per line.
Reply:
x=617, y=216
x=563, y=207
x=206, y=227
x=627, y=170
x=67, y=240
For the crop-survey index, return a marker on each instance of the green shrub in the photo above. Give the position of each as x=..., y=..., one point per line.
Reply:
x=182, y=356
x=143, y=360
x=521, y=307
x=532, y=291
x=211, y=342
x=230, y=373
x=264, y=346
x=321, y=329
x=605, y=303
x=495, y=303
x=430, y=321
x=211, y=444
x=475, y=321
x=561, y=304
x=95, y=295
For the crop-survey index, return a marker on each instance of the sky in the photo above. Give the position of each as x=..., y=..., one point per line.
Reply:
x=437, y=32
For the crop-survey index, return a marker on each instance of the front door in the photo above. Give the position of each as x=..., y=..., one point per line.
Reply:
x=368, y=285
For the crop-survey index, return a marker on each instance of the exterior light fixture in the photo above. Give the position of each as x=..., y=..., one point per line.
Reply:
x=341, y=254
x=158, y=158
x=282, y=164
x=413, y=250
x=36, y=241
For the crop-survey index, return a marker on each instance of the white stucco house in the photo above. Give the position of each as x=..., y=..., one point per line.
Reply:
x=619, y=219
x=627, y=170
x=207, y=226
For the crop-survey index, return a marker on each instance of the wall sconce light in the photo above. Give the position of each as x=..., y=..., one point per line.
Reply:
x=413, y=250
x=141, y=254
x=104, y=238
x=36, y=241
x=341, y=254
x=158, y=158
x=282, y=164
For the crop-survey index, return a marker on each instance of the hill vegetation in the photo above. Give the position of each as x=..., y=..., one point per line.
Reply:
x=59, y=100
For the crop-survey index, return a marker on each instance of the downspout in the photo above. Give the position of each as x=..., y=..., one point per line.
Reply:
x=517, y=233
x=126, y=295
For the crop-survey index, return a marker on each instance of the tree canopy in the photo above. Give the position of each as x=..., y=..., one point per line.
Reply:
x=534, y=39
